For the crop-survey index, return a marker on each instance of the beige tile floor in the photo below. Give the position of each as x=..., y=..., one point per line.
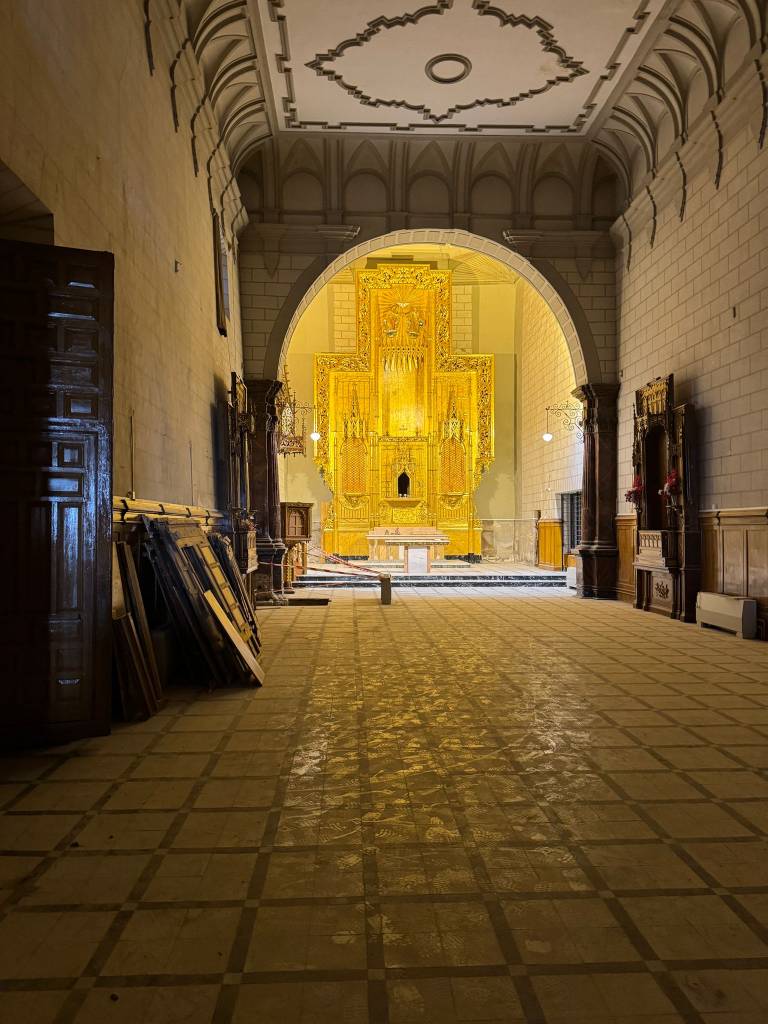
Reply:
x=471, y=806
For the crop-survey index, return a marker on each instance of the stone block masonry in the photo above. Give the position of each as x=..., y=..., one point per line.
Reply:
x=89, y=131
x=695, y=303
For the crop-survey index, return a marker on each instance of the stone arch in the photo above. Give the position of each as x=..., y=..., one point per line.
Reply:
x=540, y=274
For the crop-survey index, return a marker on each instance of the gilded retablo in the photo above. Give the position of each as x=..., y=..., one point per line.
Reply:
x=406, y=424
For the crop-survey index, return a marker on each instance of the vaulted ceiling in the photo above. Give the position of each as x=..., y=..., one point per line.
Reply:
x=448, y=66
x=628, y=77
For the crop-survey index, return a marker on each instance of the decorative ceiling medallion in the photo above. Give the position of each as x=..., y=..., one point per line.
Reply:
x=565, y=69
x=552, y=74
x=447, y=76
x=548, y=73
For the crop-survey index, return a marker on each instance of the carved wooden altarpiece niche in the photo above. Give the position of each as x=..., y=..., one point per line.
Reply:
x=406, y=424
x=667, y=560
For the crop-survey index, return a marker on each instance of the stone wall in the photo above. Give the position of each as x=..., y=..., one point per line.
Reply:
x=89, y=131
x=509, y=540
x=546, y=378
x=693, y=301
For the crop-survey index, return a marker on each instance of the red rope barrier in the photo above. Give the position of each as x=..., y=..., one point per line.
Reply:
x=341, y=561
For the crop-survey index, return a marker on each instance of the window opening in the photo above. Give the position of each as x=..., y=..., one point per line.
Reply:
x=570, y=514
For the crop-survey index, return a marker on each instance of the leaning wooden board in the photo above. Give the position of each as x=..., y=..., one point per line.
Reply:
x=194, y=544
x=135, y=605
x=237, y=641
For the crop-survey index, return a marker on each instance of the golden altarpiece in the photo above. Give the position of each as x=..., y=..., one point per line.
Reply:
x=406, y=424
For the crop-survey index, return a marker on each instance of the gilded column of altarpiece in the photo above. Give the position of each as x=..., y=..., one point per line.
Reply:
x=406, y=424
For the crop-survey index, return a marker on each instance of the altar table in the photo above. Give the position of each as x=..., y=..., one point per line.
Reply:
x=417, y=546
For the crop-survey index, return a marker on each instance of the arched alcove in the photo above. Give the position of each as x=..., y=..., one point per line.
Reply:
x=540, y=274
x=493, y=314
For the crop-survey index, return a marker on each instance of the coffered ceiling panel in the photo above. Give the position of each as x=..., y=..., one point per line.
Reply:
x=515, y=67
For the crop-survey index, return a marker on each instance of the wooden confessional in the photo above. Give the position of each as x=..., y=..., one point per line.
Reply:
x=667, y=556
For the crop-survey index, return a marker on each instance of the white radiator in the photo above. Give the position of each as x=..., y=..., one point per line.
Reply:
x=738, y=614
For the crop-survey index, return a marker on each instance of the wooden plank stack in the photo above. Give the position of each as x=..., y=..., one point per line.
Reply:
x=207, y=602
x=138, y=682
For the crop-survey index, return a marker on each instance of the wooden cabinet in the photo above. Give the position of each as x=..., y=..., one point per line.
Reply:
x=296, y=521
x=668, y=544
x=625, y=570
x=550, y=544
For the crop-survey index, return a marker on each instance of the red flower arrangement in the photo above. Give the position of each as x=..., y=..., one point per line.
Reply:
x=671, y=484
x=635, y=492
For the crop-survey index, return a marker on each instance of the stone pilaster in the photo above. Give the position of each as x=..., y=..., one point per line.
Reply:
x=598, y=551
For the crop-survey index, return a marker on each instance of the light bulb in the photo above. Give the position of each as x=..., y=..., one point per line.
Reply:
x=546, y=436
x=315, y=435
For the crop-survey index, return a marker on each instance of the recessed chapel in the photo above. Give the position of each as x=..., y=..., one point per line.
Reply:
x=384, y=454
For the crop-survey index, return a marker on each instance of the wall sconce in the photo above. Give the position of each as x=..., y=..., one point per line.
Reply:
x=291, y=421
x=571, y=417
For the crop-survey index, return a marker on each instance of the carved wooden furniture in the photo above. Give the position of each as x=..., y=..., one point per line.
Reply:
x=296, y=520
x=667, y=554
x=550, y=544
x=254, y=500
x=626, y=528
x=56, y=466
x=241, y=430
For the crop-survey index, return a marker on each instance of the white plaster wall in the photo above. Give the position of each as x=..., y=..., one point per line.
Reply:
x=300, y=479
x=494, y=331
x=547, y=378
x=89, y=130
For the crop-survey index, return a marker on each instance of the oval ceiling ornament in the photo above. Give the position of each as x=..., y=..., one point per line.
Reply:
x=390, y=53
x=457, y=69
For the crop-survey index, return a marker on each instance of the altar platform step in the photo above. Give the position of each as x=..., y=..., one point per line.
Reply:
x=440, y=578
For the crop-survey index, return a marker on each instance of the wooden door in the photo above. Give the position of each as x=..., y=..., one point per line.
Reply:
x=55, y=464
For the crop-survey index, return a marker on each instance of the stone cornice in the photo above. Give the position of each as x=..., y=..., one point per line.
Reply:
x=548, y=244
x=759, y=514
x=276, y=237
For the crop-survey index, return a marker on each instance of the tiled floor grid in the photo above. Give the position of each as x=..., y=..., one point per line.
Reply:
x=471, y=806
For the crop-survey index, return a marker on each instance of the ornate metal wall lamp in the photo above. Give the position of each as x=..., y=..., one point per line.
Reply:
x=569, y=415
x=291, y=422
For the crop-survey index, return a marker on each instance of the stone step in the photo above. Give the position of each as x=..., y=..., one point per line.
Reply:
x=441, y=579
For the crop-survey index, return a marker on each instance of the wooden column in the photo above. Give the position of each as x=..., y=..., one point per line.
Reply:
x=598, y=551
x=264, y=491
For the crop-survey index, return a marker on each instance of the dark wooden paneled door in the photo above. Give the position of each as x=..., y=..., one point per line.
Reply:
x=55, y=467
